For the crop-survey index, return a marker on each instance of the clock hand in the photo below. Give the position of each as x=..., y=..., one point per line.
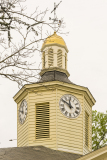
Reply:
x=70, y=104
x=65, y=102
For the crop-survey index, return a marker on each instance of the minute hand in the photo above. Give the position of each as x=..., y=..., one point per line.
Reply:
x=65, y=102
x=69, y=105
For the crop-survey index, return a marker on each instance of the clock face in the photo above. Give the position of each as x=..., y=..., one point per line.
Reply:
x=22, y=111
x=69, y=106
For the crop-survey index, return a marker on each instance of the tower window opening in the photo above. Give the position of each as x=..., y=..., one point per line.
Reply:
x=42, y=120
x=43, y=59
x=50, y=57
x=59, y=58
x=86, y=129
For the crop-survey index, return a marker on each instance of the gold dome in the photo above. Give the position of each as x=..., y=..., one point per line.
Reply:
x=54, y=40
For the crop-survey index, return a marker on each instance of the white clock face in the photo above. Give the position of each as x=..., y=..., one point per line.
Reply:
x=23, y=111
x=69, y=106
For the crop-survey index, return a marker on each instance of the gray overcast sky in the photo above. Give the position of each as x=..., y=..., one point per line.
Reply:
x=86, y=22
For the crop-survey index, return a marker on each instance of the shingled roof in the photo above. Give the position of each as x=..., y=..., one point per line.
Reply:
x=54, y=76
x=35, y=153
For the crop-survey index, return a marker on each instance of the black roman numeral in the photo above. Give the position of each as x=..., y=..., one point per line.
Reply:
x=65, y=98
x=66, y=113
x=76, y=112
x=20, y=120
x=73, y=100
x=62, y=109
x=70, y=115
x=78, y=108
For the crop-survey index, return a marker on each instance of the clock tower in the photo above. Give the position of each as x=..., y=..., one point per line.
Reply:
x=54, y=112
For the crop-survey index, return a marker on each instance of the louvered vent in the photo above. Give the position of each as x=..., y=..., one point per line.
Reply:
x=42, y=120
x=59, y=58
x=86, y=128
x=43, y=59
x=50, y=57
x=65, y=61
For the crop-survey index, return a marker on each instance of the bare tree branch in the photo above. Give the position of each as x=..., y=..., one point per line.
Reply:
x=20, y=36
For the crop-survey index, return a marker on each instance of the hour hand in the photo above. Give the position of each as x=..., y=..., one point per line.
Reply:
x=70, y=104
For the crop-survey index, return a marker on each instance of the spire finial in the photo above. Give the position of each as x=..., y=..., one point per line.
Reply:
x=55, y=17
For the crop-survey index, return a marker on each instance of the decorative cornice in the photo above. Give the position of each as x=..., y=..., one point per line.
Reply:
x=26, y=88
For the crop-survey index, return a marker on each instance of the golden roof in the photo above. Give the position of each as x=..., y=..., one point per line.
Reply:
x=54, y=40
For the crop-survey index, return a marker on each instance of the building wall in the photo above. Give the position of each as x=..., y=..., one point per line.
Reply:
x=65, y=134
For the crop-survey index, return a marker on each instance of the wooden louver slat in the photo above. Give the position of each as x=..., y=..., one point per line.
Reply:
x=86, y=128
x=50, y=57
x=43, y=59
x=42, y=120
x=59, y=58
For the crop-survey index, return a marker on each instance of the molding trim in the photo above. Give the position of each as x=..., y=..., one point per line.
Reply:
x=43, y=86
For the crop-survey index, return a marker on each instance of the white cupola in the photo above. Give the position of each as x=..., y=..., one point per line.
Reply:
x=54, y=54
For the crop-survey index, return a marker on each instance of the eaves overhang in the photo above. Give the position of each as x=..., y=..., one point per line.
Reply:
x=31, y=87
